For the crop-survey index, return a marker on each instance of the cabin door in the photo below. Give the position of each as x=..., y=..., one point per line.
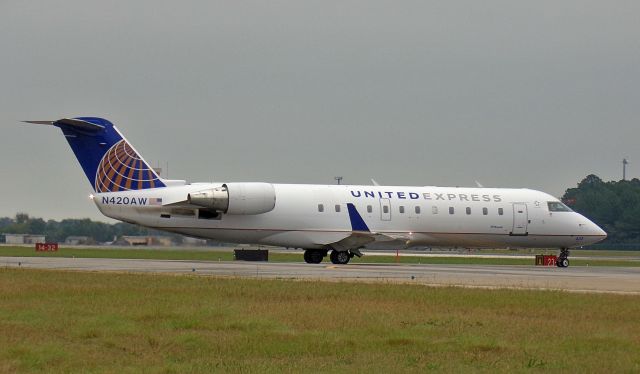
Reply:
x=520, y=219
x=385, y=210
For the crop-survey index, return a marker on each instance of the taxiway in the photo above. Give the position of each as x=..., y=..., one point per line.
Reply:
x=575, y=279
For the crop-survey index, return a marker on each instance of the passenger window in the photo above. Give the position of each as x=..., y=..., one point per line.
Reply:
x=485, y=211
x=451, y=210
x=417, y=209
x=337, y=208
x=385, y=209
x=500, y=211
x=434, y=209
x=320, y=208
x=468, y=210
x=401, y=208
x=369, y=209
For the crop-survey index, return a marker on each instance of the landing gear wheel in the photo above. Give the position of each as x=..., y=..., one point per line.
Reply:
x=563, y=258
x=340, y=257
x=314, y=256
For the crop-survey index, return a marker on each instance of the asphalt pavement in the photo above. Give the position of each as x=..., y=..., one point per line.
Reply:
x=575, y=279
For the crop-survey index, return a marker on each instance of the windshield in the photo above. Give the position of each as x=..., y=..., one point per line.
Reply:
x=556, y=206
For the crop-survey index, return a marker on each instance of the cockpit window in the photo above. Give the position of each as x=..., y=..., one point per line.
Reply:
x=556, y=206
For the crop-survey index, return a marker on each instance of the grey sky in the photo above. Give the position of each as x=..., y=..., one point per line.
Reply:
x=514, y=94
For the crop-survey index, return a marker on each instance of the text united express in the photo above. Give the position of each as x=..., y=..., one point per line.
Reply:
x=426, y=196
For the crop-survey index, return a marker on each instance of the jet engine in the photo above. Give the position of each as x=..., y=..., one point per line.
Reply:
x=237, y=198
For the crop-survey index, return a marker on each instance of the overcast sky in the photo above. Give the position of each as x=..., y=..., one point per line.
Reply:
x=510, y=93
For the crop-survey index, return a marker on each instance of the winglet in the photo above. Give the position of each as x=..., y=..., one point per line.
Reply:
x=357, y=223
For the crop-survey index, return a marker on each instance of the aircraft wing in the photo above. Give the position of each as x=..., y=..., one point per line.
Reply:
x=361, y=235
x=353, y=242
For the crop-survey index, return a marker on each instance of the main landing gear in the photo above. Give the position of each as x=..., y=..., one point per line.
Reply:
x=340, y=258
x=563, y=259
x=315, y=256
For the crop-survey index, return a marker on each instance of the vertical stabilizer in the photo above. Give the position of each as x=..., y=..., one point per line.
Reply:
x=110, y=163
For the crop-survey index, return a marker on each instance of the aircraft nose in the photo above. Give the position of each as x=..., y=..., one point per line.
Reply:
x=599, y=231
x=597, y=234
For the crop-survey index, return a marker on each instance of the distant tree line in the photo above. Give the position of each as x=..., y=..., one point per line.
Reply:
x=614, y=206
x=58, y=231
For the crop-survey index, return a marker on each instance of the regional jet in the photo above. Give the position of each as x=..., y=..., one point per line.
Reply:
x=334, y=220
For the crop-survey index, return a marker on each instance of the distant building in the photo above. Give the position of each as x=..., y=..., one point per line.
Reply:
x=23, y=238
x=165, y=241
x=144, y=240
x=193, y=241
x=133, y=240
x=79, y=240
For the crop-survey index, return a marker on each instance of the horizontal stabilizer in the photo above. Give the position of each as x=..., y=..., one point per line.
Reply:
x=79, y=124
x=40, y=122
x=74, y=123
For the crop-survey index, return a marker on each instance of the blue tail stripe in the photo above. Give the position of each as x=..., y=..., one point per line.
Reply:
x=357, y=223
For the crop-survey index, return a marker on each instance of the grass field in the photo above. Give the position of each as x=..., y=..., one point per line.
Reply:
x=626, y=258
x=95, y=322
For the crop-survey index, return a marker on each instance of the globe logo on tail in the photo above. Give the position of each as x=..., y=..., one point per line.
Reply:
x=122, y=169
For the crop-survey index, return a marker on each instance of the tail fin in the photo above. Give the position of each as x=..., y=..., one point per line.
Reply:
x=110, y=163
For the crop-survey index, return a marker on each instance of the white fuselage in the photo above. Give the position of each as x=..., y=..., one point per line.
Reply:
x=314, y=216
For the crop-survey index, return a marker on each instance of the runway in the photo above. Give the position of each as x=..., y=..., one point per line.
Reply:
x=597, y=279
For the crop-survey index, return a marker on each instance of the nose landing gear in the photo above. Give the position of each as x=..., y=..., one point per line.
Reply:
x=563, y=258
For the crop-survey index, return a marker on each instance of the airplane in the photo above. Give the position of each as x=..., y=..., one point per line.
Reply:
x=334, y=220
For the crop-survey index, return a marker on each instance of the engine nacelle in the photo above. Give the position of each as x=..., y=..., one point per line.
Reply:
x=237, y=198
x=215, y=198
